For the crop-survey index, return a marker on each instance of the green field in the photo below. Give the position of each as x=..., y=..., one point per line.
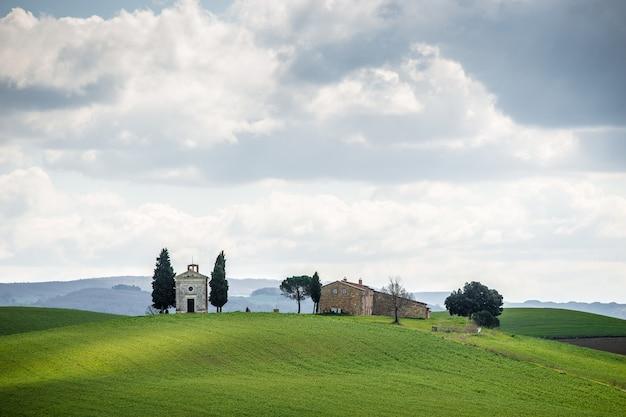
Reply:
x=557, y=323
x=26, y=319
x=281, y=364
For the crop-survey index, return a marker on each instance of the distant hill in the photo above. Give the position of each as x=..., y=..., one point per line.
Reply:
x=435, y=301
x=558, y=323
x=104, y=300
x=26, y=319
x=267, y=299
x=257, y=294
x=131, y=295
x=26, y=293
x=606, y=309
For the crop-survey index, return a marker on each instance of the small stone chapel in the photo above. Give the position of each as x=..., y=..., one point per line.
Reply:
x=191, y=291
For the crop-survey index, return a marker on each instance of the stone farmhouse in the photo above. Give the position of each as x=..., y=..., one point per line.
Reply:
x=191, y=291
x=360, y=300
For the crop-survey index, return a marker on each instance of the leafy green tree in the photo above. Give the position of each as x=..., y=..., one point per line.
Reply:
x=296, y=288
x=475, y=298
x=163, y=284
x=315, y=291
x=458, y=304
x=218, y=283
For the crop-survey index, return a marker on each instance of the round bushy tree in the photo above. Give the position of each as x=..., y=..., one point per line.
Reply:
x=297, y=288
x=474, y=298
x=458, y=304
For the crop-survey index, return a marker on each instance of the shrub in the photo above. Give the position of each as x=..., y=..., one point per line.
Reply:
x=485, y=319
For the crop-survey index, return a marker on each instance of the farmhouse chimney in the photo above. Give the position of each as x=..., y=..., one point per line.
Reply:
x=193, y=267
x=360, y=281
x=345, y=279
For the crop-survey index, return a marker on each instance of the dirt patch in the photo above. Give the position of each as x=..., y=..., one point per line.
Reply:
x=608, y=344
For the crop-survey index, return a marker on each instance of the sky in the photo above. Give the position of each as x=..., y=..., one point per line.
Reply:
x=436, y=141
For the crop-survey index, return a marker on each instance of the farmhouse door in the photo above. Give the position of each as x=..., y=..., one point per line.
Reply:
x=191, y=305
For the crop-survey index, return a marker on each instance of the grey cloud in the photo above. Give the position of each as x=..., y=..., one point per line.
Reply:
x=13, y=98
x=603, y=150
x=300, y=155
x=556, y=64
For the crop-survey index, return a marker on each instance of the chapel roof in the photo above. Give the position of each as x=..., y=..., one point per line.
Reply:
x=191, y=272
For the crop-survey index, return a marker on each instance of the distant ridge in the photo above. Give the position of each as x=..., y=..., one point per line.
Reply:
x=606, y=309
x=436, y=300
x=130, y=295
x=96, y=294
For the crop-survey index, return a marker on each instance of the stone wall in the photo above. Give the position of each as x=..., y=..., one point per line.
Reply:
x=198, y=291
x=348, y=298
x=383, y=306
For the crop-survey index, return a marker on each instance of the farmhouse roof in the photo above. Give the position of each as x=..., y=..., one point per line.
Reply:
x=360, y=287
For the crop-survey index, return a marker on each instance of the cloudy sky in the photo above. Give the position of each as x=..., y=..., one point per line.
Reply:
x=439, y=141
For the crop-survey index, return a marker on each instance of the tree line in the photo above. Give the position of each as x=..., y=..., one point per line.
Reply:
x=475, y=301
x=164, y=284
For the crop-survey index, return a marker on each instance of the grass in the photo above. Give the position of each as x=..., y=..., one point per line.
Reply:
x=558, y=323
x=26, y=319
x=280, y=364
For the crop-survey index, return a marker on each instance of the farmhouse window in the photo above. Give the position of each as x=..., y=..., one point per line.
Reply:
x=334, y=291
x=344, y=291
x=190, y=288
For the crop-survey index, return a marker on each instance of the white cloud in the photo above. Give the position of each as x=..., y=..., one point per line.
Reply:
x=420, y=231
x=369, y=91
x=183, y=76
x=305, y=22
x=429, y=102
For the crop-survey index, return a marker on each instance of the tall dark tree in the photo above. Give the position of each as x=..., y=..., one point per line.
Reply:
x=315, y=290
x=475, y=298
x=163, y=284
x=218, y=283
x=297, y=288
x=400, y=297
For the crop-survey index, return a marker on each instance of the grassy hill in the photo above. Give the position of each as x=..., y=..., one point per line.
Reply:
x=274, y=364
x=556, y=323
x=26, y=319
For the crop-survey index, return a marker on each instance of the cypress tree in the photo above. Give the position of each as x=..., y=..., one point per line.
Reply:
x=316, y=292
x=218, y=283
x=163, y=284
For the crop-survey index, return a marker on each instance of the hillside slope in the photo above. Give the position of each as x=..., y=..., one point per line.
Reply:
x=557, y=323
x=25, y=319
x=270, y=364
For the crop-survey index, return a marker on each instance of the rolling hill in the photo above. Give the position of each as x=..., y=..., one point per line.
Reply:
x=558, y=323
x=273, y=364
x=26, y=319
